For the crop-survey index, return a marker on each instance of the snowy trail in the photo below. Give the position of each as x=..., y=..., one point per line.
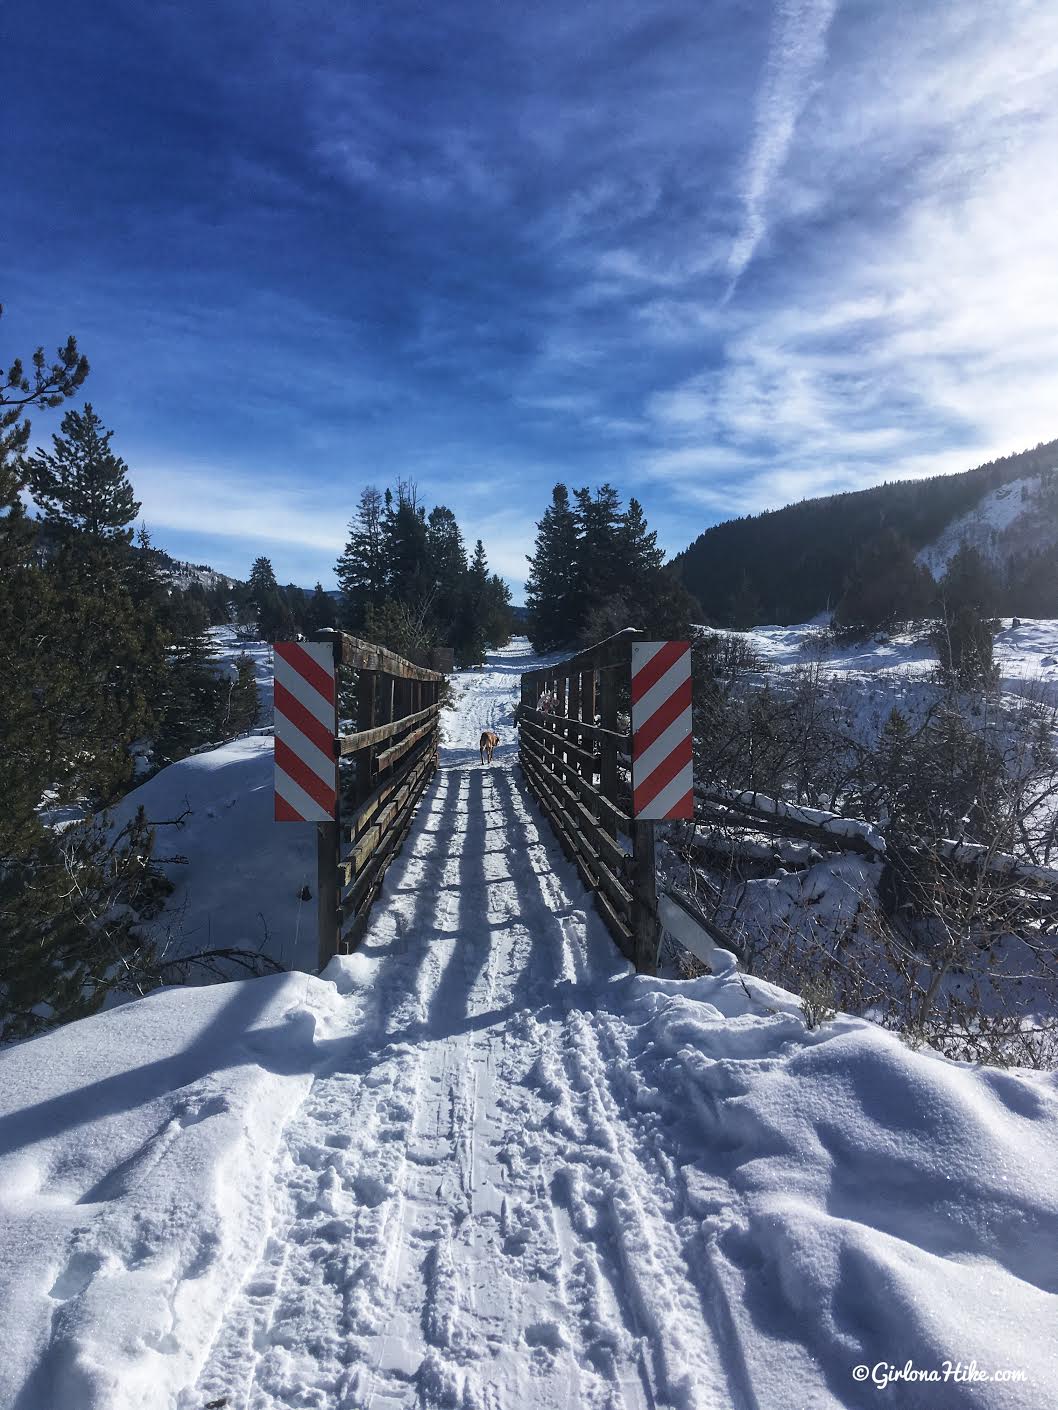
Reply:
x=480, y=1165
x=461, y=1215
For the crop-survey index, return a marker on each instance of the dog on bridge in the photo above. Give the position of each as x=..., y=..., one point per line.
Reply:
x=489, y=740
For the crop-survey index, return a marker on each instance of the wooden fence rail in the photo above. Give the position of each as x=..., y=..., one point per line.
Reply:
x=397, y=704
x=574, y=757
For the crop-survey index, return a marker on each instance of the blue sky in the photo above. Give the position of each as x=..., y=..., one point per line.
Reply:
x=725, y=255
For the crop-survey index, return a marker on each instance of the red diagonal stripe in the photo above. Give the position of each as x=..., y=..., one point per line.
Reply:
x=684, y=808
x=656, y=667
x=662, y=717
x=665, y=772
x=285, y=813
x=299, y=660
x=305, y=720
x=308, y=781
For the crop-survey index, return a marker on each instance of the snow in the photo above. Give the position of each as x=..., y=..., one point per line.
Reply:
x=1014, y=517
x=481, y=1164
x=240, y=877
x=903, y=663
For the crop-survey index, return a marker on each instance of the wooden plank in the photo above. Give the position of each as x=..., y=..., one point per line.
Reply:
x=589, y=730
x=370, y=806
x=353, y=930
x=327, y=891
x=581, y=817
x=620, y=932
x=608, y=743
x=572, y=727
x=390, y=756
x=600, y=873
x=368, y=842
x=364, y=739
x=352, y=897
x=615, y=650
x=365, y=656
x=614, y=915
x=617, y=821
x=562, y=746
x=645, y=927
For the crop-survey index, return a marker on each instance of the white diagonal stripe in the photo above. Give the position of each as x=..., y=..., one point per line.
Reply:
x=662, y=747
x=313, y=758
x=659, y=692
x=643, y=652
x=305, y=694
x=299, y=800
x=670, y=795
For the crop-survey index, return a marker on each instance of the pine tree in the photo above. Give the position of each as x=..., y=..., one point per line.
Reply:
x=553, y=586
x=241, y=702
x=446, y=562
x=361, y=569
x=639, y=552
x=73, y=669
x=969, y=581
x=601, y=542
x=321, y=612
x=81, y=484
x=192, y=705
x=744, y=607
x=405, y=547
x=886, y=586
x=274, y=618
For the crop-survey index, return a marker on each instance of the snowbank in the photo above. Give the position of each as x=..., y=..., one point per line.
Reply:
x=134, y=1153
x=848, y=1202
x=241, y=882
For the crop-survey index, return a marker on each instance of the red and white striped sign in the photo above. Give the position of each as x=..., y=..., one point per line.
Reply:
x=662, y=771
x=306, y=718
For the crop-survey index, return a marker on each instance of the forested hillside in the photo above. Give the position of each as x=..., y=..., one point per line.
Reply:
x=786, y=565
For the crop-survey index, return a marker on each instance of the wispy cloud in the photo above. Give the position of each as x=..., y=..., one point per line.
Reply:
x=913, y=328
x=795, y=55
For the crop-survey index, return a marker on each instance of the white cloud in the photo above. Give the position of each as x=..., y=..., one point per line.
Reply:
x=796, y=51
x=917, y=333
x=216, y=501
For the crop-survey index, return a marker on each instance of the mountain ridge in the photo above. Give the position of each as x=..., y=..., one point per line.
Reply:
x=787, y=565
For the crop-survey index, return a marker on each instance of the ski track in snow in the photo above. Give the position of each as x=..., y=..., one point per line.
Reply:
x=461, y=1214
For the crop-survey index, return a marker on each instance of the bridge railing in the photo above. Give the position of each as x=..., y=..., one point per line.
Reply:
x=575, y=752
x=386, y=761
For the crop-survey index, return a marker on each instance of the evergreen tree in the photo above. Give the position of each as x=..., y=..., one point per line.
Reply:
x=886, y=586
x=273, y=615
x=240, y=699
x=71, y=662
x=361, y=569
x=81, y=484
x=744, y=609
x=192, y=702
x=969, y=581
x=321, y=612
x=446, y=561
x=553, y=587
x=640, y=556
x=601, y=544
x=405, y=544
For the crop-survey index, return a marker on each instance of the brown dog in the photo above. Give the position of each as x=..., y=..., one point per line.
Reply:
x=489, y=740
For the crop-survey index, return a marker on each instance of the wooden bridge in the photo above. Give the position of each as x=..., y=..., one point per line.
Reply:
x=575, y=755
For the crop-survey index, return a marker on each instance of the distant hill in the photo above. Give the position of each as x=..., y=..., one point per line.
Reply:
x=179, y=574
x=790, y=564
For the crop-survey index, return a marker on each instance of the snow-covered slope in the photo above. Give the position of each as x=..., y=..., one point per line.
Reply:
x=1026, y=655
x=1014, y=518
x=481, y=1164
